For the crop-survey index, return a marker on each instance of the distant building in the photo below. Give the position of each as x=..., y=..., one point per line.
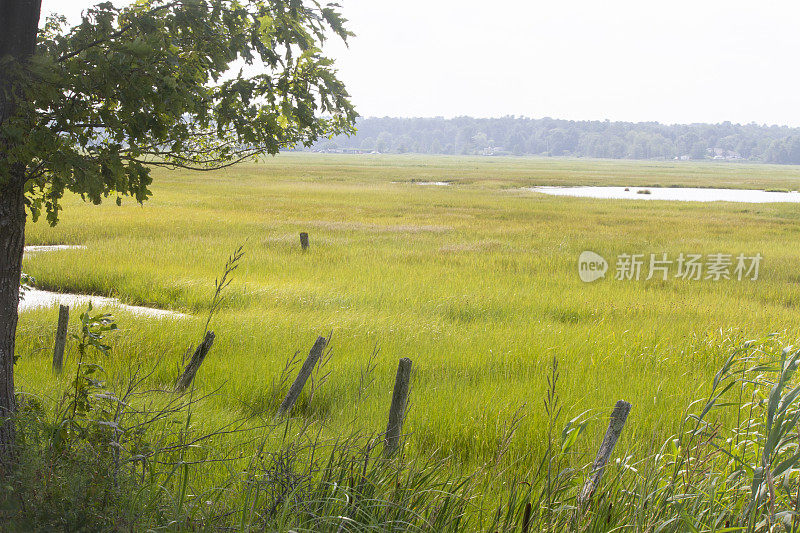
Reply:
x=494, y=150
x=342, y=151
x=721, y=153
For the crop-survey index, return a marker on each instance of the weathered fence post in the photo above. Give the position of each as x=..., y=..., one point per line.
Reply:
x=304, y=241
x=618, y=417
x=526, y=518
x=302, y=376
x=61, y=337
x=397, y=411
x=194, y=363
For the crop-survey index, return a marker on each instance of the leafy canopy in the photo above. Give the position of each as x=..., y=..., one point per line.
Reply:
x=197, y=84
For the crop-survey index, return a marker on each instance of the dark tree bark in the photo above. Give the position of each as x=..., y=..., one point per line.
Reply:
x=20, y=25
x=20, y=21
x=12, y=240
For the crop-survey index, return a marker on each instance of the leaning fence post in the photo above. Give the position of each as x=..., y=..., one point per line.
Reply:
x=618, y=417
x=304, y=241
x=302, y=376
x=61, y=337
x=397, y=411
x=194, y=363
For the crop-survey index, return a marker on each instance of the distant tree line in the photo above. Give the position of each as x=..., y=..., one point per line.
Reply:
x=552, y=137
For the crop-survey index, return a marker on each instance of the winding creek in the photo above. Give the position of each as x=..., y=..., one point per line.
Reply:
x=37, y=298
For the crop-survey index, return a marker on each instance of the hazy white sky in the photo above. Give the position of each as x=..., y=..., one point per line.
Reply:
x=671, y=61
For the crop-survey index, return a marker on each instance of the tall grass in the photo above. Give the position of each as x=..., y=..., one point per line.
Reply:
x=476, y=282
x=137, y=463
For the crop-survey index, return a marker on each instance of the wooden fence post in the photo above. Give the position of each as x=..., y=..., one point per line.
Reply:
x=194, y=363
x=526, y=518
x=304, y=241
x=61, y=338
x=397, y=411
x=618, y=417
x=302, y=376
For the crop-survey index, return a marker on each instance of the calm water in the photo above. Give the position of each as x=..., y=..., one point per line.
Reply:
x=681, y=194
x=36, y=298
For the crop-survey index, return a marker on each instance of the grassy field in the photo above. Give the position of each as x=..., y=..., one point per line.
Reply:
x=476, y=282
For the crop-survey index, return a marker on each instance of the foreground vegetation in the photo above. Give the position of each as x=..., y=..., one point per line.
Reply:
x=477, y=283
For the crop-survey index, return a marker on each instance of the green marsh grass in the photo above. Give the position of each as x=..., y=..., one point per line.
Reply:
x=476, y=282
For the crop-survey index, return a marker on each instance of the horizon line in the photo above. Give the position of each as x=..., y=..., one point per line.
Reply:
x=524, y=117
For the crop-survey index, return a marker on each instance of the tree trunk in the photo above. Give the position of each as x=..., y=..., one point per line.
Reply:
x=12, y=241
x=20, y=26
x=20, y=22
